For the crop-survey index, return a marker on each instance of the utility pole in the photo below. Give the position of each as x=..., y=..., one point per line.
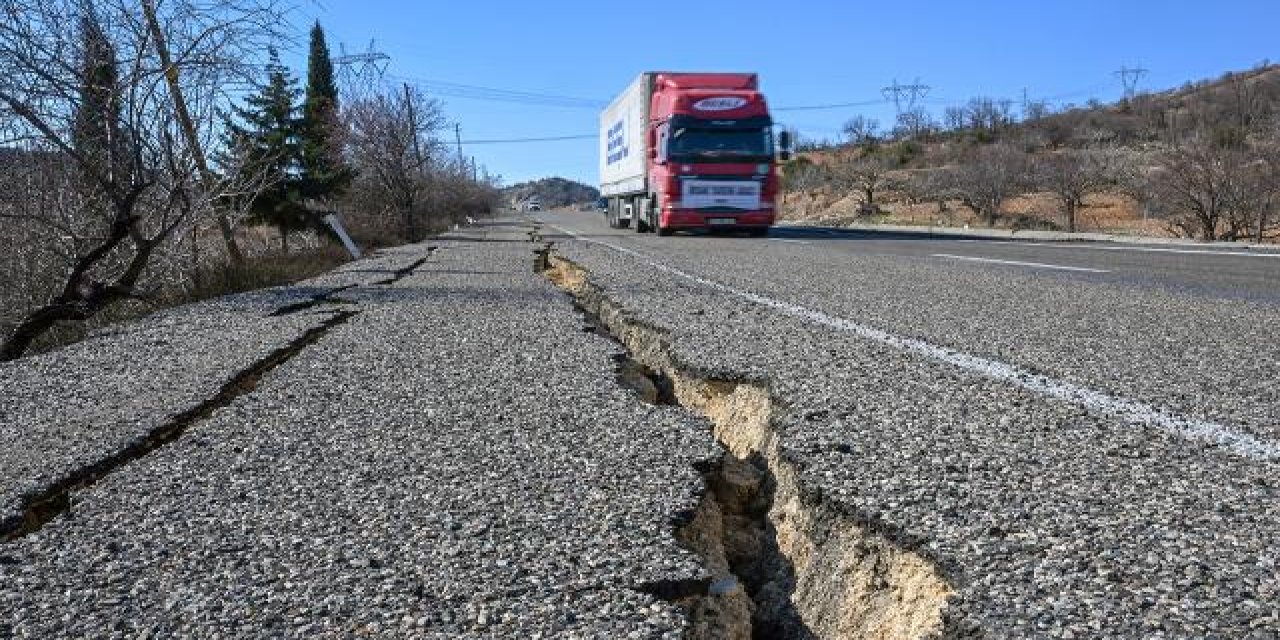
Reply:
x=457, y=136
x=207, y=179
x=1129, y=78
x=409, y=227
x=413, y=127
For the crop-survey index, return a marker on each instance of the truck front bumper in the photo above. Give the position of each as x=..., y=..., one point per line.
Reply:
x=699, y=219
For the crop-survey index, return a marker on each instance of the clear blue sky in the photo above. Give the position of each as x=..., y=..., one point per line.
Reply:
x=807, y=53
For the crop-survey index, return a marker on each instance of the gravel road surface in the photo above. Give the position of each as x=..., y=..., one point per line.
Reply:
x=1084, y=440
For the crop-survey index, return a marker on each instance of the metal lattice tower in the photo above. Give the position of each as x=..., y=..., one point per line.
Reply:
x=1129, y=78
x=905, y=96
x=360, y=73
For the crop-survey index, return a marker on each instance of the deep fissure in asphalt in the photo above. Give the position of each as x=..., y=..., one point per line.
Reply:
x=41, y=508
x=749, y=593
x=785, y=564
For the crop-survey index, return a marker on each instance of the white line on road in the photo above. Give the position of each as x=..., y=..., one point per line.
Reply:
x=1017, y=263
x=790, y=241
x=1133, y=412
x=1076, y=245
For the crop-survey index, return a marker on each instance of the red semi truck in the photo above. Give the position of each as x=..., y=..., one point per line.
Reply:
x=690, y=151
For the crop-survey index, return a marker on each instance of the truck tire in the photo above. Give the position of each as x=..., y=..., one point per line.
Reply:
x=641, y=212
x=665, y=231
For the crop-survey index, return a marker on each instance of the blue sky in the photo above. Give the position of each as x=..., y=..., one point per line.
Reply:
x=807, y=53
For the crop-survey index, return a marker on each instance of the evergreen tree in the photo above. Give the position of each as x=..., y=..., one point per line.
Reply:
x=263, y=146
x=96, y=133
x=324, y=173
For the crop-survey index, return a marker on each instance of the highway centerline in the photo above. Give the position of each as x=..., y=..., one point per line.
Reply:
x=1133, y=412
x=1019, y=263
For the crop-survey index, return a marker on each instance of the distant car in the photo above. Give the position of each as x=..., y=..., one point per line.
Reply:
x=602, y=204
x=533, y=206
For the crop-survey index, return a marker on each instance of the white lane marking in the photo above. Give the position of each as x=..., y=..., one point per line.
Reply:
x=1133, y=412
x=1069, y=245
x=790, y=241
x=1018, y=263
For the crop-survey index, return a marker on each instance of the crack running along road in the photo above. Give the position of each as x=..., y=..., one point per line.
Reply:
x=1130, y=411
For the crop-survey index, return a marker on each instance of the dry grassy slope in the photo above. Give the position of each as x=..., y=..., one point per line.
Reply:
x=1107, y=213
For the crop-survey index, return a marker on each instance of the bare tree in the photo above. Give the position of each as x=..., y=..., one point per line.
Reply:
x=801, y=175
x=866, y=174
x=395, y=147
x=862, y=130
x=1198, y=187
x=914, y=123
x=1072, y=175
x=989, y=177
x=83, y=93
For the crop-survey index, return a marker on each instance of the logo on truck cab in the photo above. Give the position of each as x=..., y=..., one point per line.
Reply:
x=719, y=103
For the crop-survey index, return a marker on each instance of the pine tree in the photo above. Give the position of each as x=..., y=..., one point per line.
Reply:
x=324, y=173
x=262, y=144
x=96, y=133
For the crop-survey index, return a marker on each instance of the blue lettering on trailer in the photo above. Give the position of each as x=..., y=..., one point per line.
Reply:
x=617, y=143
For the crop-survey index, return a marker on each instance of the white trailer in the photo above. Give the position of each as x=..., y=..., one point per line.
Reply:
x=623, y=148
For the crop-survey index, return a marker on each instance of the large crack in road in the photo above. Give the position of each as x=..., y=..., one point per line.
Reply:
x=785, y=564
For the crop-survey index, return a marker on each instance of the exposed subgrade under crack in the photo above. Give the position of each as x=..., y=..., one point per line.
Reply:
x=39, y=508
x=783, y=562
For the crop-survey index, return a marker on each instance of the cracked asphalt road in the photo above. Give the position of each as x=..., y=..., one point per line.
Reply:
x=1052, y=517
x=456, y=460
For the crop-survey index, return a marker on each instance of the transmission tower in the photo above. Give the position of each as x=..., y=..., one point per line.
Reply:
x=1129, y=78
x=359, y=73
x=905, y=96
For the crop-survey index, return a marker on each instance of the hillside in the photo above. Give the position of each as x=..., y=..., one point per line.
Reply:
x=552, y=192
x=1200, y=161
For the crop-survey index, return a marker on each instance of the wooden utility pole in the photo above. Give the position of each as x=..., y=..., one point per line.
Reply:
x=410, y=229
x=207, y=179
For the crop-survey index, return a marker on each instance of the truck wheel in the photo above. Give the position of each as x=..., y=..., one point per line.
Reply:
x=665, y=231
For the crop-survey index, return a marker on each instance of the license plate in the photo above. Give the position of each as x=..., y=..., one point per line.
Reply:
x=722, y=221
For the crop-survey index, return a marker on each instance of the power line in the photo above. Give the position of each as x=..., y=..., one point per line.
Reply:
x=837, y=105
x=478, y=92
x=584, y=136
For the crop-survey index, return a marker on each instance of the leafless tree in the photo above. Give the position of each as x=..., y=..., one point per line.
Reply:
x=866, y=174
x=1199, y=187
x=914, y=123
x=862, y=130
x=118, y=195
x=987, y=178
x=1074, y=174
x=396, y=150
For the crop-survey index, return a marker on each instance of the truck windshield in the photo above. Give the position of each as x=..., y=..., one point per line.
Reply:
x=721, y=144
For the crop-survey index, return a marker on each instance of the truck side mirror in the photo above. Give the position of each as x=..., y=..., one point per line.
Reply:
x=784, y=145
